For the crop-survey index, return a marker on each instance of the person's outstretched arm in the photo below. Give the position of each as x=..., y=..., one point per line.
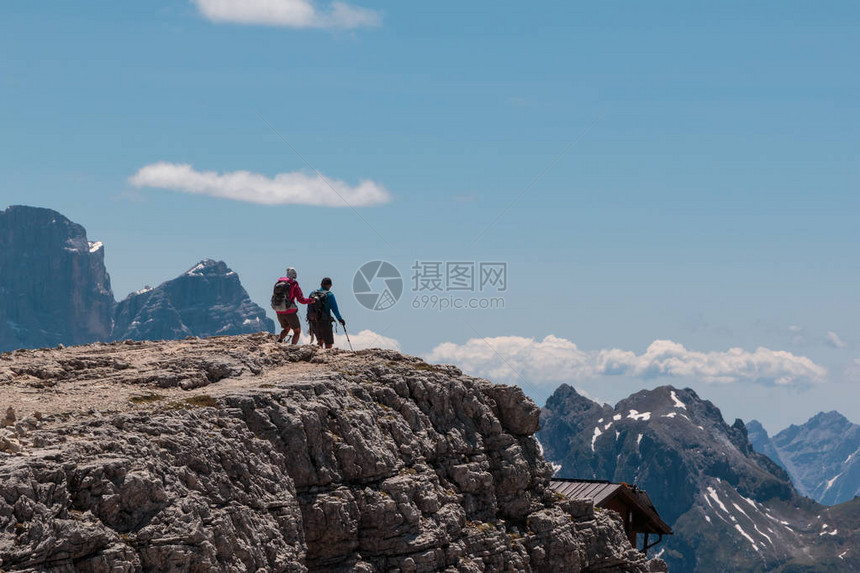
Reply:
x=333, y=307
x=297, y=292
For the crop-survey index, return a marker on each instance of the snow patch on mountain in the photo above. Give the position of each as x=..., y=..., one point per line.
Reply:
x=597, y=433
x=712, y=493
x=746, y=535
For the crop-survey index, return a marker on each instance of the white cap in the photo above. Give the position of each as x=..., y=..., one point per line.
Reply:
x=291, y=273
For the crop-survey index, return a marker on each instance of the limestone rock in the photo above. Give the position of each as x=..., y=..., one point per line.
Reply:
x=9, y=418
x=290, y=459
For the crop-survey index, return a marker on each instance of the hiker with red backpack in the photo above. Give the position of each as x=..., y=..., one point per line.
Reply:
x=284, y=296
x=320, y=321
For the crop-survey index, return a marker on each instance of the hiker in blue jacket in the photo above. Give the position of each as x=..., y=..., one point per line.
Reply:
x=319, y=314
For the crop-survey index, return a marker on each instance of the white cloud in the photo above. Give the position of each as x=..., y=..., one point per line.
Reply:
x=832, y=339
x=366, y=339
x=360, y=341
x=549, y=360
x=555, y=359
x=296, y=188
x=289, y=13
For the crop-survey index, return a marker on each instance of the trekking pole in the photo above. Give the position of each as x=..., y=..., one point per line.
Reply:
x=347, y=338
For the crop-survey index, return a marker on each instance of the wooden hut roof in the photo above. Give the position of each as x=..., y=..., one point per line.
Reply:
x=601, y=492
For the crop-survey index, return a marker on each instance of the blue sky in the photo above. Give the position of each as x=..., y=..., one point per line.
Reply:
x=656, y=172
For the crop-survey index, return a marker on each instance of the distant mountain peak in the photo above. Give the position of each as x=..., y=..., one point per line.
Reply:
x=42, y=213
x=206, y=300
x=209, y=267
x=671, y=402
x=831, y=417
x=821, y=455
x=755, y=425
x=702, y=474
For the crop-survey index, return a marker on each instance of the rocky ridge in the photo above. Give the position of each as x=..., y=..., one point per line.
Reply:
x=239, y=454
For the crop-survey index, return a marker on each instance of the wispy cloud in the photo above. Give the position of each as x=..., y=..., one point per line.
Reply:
x=802, y=336
x=832, y=339
x=798, y=335
x=852, y=372
x=289, y=13
x=295, y=188
x=553, y=360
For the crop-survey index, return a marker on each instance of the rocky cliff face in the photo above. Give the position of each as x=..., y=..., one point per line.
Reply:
x=731, y=509
x=239, y=454
x=54, y=289
x=53, y=284
x=822, y=456
x=207, y=300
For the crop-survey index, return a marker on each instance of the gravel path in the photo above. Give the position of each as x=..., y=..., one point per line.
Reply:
x=103, y=378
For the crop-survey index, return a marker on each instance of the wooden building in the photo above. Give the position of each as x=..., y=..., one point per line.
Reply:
x=639, y=515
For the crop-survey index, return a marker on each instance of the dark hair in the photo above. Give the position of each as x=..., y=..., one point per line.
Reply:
x=325, y=282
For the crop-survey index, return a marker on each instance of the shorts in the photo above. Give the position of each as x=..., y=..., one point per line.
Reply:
x=323, y=331
x=289, y=321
